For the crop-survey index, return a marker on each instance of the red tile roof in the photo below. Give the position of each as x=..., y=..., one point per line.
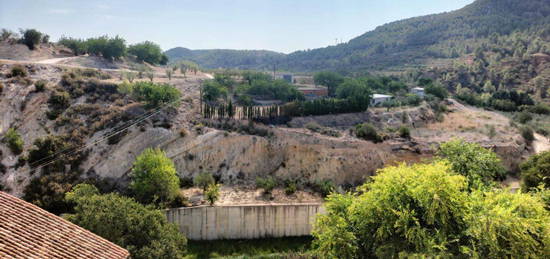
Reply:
x=27, y=231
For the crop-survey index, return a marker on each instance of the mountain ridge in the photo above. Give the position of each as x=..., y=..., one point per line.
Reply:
x=398, y=43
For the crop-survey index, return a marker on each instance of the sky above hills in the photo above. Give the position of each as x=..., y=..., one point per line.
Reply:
x=279, y=25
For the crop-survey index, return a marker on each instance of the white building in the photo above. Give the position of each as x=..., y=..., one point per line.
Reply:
x=379, y=98
x=418, y=91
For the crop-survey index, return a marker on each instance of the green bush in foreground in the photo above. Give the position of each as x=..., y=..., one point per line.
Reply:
x=154, y=178
x=479, y=165
x=142, y=230
x=14, y=141
x=535, y=172
x=425, y=210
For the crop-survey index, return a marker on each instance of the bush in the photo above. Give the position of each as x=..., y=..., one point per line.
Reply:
x=155, y=95
x=323, y=187
x=479, y=165
x=40, y=85
x=48, y=192
x=148, y=52
x=78, y=46
x=290, y=187
x=423, y=211
x=142, y=230
x=212, y=193
x=14, y=141
x=267, y=183
x=527, y=134
x=154, y=178
x=536, y=172
x=368, y=132
x=203, y=180
x=31, y=38
x=437, y=91
x=523, y=117
x=18, y=70
x=404, y=132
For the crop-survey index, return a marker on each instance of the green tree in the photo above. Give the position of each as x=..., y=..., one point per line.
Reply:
x=154, y=178
x=31, y=38
x=203, y=180
x=436, y=90
x=368, y=132
x=212, y=90
x=329, y=79
x=405, y=210
x=536, y=171
x=147, y=52
x=14, y=141
x=212, y=193
x=155, y=95
x=502, y=224
x=478, y=164
x=143, y=230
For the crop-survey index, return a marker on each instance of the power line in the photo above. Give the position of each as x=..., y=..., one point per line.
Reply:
x=74, y=150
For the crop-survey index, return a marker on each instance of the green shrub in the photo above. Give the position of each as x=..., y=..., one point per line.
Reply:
x=368, y=132
x=523, y=117
x=323, y=187
x=527, y=134
x=212, y=193
x=404, y=132
x=313, y=126
x=266, y=183
x=155, y=95
x=203, y=180
x=142, y=230
x=437, y=91
x=31, y=38
x=479, y=165
x=18, y=70
x=290, y=187
x=154, y=178
x=14, y=141
x=40, y=85
x=536, y=172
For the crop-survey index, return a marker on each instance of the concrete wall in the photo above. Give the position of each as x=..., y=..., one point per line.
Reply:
x=245, y=221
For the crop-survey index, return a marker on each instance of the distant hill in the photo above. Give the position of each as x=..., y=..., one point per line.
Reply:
x=406, y=42
x=226, y=58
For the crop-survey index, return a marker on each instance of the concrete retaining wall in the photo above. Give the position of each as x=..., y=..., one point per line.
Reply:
x=245, y=221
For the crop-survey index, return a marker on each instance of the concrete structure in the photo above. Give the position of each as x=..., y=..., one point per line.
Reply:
x=313, y=91
x=418, y=91
x=379, y=98
x=245, y=221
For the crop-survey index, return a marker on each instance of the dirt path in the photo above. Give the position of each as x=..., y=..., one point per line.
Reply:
x=540, y=144
x=54, y=60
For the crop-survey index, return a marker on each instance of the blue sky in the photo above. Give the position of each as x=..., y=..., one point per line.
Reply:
x=279, y=25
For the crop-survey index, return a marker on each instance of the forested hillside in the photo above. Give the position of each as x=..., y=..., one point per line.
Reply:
x=406, y=42
x=226, y=58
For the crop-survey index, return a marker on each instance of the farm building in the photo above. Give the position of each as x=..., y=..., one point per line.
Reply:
x=380, y=98
x=313, y=91
x=418, y=91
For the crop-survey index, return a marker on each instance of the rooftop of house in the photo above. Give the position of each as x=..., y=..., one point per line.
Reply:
x=376, y=96
x=418, y=89
x=27, y=231
x=310, y=87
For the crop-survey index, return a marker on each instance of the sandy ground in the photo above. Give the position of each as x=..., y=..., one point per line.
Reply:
x=230, y=195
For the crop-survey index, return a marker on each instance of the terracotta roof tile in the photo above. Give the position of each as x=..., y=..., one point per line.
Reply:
x=27, y=231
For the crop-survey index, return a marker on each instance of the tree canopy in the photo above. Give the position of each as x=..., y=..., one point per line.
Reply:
x=154, y=178
x=149, y=52
x=536, y=171
x=425, y=210
x=143, y=230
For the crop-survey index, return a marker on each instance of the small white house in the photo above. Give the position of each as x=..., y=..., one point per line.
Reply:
x=379, y=98
x=418, y=91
